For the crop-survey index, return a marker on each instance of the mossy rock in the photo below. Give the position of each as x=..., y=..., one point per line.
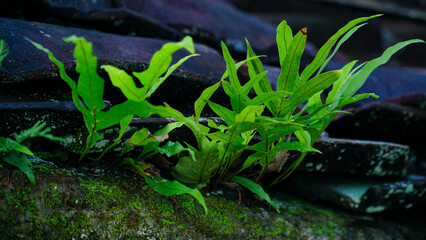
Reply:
x=110, y=203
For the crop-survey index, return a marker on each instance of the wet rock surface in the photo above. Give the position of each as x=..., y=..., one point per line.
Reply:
x=110, y=203
x=358, y=157
x=364, y=195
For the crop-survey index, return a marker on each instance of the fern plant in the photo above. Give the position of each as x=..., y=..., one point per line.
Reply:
x=307, y=86
x=220, y=147
x=87, y=95
x=218, y=150
x=90, y=87
x=13, y=151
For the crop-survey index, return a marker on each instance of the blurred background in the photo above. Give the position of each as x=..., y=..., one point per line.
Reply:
x=402, y=20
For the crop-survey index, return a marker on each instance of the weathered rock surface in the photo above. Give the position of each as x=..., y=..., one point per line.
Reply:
x=383, y=121
x=207, y=21
x=358, y=157
x=26, y=64
x=108, y=203
x=368, y=195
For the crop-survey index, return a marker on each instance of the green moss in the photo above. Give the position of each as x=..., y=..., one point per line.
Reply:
x=55, y=221
x=77, y=227
x=50, y=169
x=98, y=193
x=107, y=208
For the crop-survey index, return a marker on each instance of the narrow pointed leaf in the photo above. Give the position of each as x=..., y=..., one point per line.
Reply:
x=326, y=48
x=201, y=101
x=284, y=39
x=230, y=67
x=141, y=138
x=178, y=116
x=356, y=98
x=255, y=67
x=255, y=157
x=254, y=188
x=234, y=96
x=171, y=69
x=213, y=125
x=22, y=163
x=341, y=41
x=304, y=137
x=71, y=83
x=248, y=114
x=296, y=146
x=21, y=148
x=168, y=128
x=289, y=75
x=308, y=89
x=218, y=136
x=4, y=50
x=171, y=188
x=125, y=83
x=314, y=102
x=253, y=81
x=172, y=148
x=227, y=115
x=161, y=61
x=239, y=64
x=358, y=79
x=119, y=111
x=333, y=95
x=90, y=85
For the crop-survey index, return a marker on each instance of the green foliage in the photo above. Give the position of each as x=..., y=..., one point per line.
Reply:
x=4, y=50
x=219, y=147
x=255, y=188
x=293, y=90
x=90, y=87
x=11, y=150
x=171, y=188
x=285, y=133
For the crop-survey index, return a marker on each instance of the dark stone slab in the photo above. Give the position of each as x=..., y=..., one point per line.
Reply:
x=415, y=100
x=384, y=121
x=27, y=64
x=66, y=121
x=208, y=21
x=357, y=157
x=108, y=16
x=367, y=195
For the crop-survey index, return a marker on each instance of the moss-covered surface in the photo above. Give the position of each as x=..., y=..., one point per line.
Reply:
x=118, y=205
